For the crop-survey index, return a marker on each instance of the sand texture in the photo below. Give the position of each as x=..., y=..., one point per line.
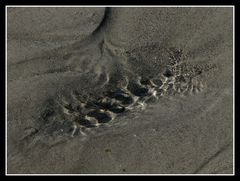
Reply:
x=120, y=90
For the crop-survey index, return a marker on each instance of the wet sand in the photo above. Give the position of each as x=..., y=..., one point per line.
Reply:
x=120, y=90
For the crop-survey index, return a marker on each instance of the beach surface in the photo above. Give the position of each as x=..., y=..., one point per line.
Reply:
x=120, y=90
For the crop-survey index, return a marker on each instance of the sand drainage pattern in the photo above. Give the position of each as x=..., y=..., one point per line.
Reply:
x=88, y=112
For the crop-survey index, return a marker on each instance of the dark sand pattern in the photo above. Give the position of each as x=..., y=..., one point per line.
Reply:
x=83, y=113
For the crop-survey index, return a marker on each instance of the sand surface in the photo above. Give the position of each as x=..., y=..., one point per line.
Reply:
x=120, y=90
